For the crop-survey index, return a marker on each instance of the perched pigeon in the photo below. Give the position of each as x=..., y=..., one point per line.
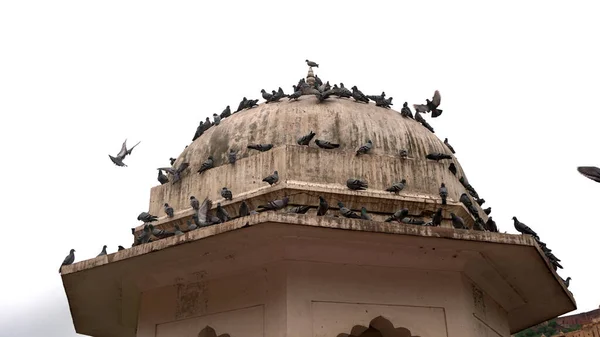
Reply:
x=487, y=211
x=305, y=140
x=567, y=282
x=274, y=205
x=490, y=225
x=364, y=215
x=118, y=160
x=312, y=64
x=384, y=103
x=458, y=222
x=226, y=113
x=199, y=131
x=438, y=156
x=176, y=172
x=321, y=96
x=436, y=220
x=480, y=201
x=452, y=168
x=103, y=252
x=68, y=260
x=479, y=225
x=356, y=184
x=162, y=178
x=326, y=145
x=524, y=229
x=243, y=211
x=346, y=212
x=145, y=236
x=232, y=156
x=448, y=145
x=398, y=215
x=172, y=161
x=423, y=122
x=443, y=193
x=160, y=233
x=207, y=165
x=120, y=248
x=469, y=188
x=147, y=217
x=295, y=95
x=376, y=98
x=272, y=179
x=318, y=81
x=590, y=172
x=397, y=187
x=226, y=193
x=431, y=106
x=222, y=213
x=405, y=112
x=358, y=95
x=412, y=221
x=464, y=198
x=277, y=95
x=365, y=148
x=342, y=91
x=266, y=95
x=169, y=210
x=299, y=209
x=178, y=230
x=403, y=154
x=194, y=203
x=260, y=147
x=251, y=103
x=217, y=119
x=242, y=105
x=323, y=206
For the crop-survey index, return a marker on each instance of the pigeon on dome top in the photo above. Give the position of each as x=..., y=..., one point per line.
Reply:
x=312, y=64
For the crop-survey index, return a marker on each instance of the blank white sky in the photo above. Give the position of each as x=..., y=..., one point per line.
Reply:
x=519, y=84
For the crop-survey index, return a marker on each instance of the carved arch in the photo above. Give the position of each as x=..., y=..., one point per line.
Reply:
x=208, y=331
x=378, y=327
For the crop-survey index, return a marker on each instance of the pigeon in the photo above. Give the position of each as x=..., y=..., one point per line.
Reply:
x=358, y=95
x=326, y=145
x=436, y=220
x=120, y=248
x=243, y=211
x=412, y=221
x=405, y=111
x=590, y=172
x=268, y=97
x=232, y=156
x=346, y=212
x=169, y=210
x=207, y=124
x=260, y=147
x=323, y=206
x=479, y=225
x=277, y=95
x=318, y=80
x=147, y=217
x=176, y=172
x=178, y=230
x=251, y=103
x=299, y=209
x=172, y=161
x=226, y=113
x=487, y=211
x=376, y=98
x=272, y=179
x=207, y=165
x=312, y=64
x=464, y=198
x=226, y=193
x=342, y=91
x=438, y=156
x=242, y=105
x=201, y=218
x=321, y=96
x=423, y=122
x=448, y=145
x=397, y=187
x=295, y=95
x=567, y=282
x=452, y=168
x=364, y=215
x=398, y=215
x=305, y=140
x=103, y=252
x=431, y=106
x=480, y=201
x=118, y=160
x=356, y=184
x=384, y=103
x=194, y=203
x=160, y=233
x=222, y=213
x=524, y=229
x=217, y=119
x=403, y=154
x=443, y=193
x=145, y=236
x=365, y=148
x=458, y=222
x=274, y=205
x=68, y=260
x=468, y=187
x=199, y=131
x=162, y=178
x=490, y=225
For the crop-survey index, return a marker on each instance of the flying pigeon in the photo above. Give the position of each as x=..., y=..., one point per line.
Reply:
x=590, y=172
x=397, y=187
x=162, y=178
x=232, y=156
x=524, y=229
x=458, y=222
x=68, y=260
x=169, y=210
x=305, y=140
x=323, y=206
x=103, y=252
x=312, y=64
x=194, y=203
x=356, y=184
x=448, y=145
x=272, y=179
x=365, y=148
x=438, y=156
x=118, y=160
x=274, y=205
x=326, y=145
x=405, y=111
x=346, y=212
x=364, y=215
x=175, y=172
x=260, y=147
x=201, y=218
x=226, y=193
x=398, y=215
x=207, y=165
x=443, y=193
x=147, y=217
x=431, y=106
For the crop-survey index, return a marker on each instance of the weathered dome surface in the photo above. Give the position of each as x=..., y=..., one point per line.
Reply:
x=308, y=171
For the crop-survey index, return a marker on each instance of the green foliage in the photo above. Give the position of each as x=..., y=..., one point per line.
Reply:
x=549, y=329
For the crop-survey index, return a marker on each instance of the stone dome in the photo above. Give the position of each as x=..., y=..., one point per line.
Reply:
x=308, y=171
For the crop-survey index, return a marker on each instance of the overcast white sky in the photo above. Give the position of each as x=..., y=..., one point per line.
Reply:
x=519, y=84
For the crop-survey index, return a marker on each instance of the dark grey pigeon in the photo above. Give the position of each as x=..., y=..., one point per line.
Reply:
x=260, y=147
x=464, y=198
x=147, y=217
x=226, y=113
x=405, y=112
x=365, y=148
x=480, y=201
x=398, y=215
x=103, y=252
x=443, y=193
x=277, y=95
x=268, y=97
x=384, y=103
x=202, y=216
x=226, y=193
x=423, y=122
x=346, y=212
x=321, y=96
x=397, y=187
x=172, y=161
x=448, y=145
x=160, y=233
x=120, y=248
x=323, y=206
x=222, y=213
x=199, y=131
x=305, y=140
x=452, y=168
x=68, y=260
x=251, y=103
x=118, y=160
x=364, y=215
x=242, y=105
x=190, y=226
x=244, y=211
x=436, y=220
x=145, y=236
x=318, y=81
x=169, y=210
x=274, y=205
x=312, y=64
x=376, y=98
x=207, y=165
x=487, y=211
x=177, y=230
x=490, y=225
x=403, y=154
x=458, y=222
x=326, y=145
x=438, y=156
x=299, y=209
x=431, y=105
x=357, y=184
x=479, y=225
x=468, y=187
x=217, y=119
x=358, y=95
x=297, y=93
x=343, y=92
x=272, y=179
x=232, y=156
x=590, y=172
x=162, y=178
x=194, y=203
x=412, y=221
x=567, y=282
x=176, y=172
x=524, y=229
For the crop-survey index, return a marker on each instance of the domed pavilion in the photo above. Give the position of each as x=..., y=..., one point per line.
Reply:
x=279, y=273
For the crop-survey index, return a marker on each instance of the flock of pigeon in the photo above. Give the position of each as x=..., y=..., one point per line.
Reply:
x=203, y=217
